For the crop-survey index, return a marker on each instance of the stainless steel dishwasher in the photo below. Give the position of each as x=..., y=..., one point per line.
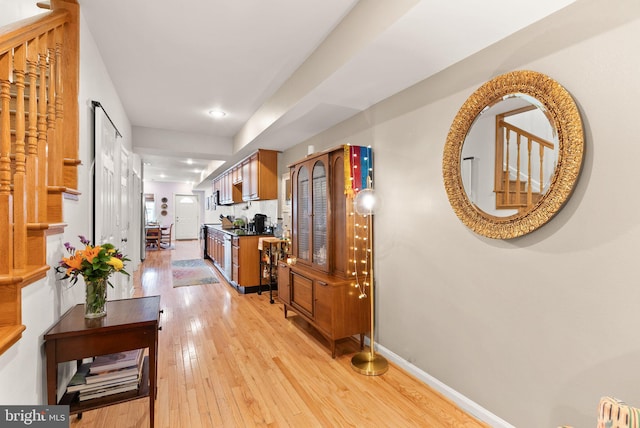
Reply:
x=227, y=256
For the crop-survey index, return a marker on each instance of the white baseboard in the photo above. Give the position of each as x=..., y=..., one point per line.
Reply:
x=460, y=400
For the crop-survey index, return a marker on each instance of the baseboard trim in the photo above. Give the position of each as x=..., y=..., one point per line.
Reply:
x=466, y=404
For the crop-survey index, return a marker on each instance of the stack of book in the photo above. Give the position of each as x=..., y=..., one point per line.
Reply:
x=107, y=375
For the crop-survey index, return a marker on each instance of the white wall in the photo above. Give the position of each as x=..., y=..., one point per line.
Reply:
x=538, y=328
x=44, y=301
x=15, y=10
x=167, y=190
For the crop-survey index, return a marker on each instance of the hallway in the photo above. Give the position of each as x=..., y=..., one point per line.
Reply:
x=231, y=360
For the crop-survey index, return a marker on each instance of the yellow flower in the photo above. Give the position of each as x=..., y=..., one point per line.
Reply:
x=116, y=263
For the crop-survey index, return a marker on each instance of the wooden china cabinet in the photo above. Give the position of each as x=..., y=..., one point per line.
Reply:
x=320, y=286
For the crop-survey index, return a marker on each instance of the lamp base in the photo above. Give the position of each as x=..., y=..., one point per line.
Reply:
x=370, y=364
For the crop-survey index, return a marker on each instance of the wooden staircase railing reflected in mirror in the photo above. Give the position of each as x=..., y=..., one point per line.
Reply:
x=519, y=171
x=39, y=66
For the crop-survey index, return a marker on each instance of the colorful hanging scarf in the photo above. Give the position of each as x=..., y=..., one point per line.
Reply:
x=358, y=169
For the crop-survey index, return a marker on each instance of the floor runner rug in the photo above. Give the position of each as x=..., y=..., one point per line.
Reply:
x=192, y=272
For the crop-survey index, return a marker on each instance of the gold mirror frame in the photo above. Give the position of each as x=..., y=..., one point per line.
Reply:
x=564, y=114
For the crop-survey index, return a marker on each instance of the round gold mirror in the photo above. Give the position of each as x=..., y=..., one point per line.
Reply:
x=513, y=154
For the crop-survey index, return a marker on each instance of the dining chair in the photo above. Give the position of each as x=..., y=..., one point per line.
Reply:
x=165, y=236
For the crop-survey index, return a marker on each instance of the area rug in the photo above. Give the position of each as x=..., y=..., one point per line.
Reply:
x=192, y=272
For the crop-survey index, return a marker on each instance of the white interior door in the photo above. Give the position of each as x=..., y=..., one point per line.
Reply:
x=123, y=221
x=105, y=190
x=112, y=217
x=187, y=216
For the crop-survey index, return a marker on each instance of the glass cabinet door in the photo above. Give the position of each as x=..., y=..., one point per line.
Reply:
x=319, y=211
x=303, y=214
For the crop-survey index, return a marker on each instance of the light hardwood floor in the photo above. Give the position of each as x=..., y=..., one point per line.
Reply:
x=231, y=360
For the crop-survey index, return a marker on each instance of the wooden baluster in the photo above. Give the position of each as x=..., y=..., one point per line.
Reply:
x=506, y=175
x=42, y=129
x=541, y=149
x=19, y=185
x=518, y=171
x=59, y=108
x=52, y=147
x=32, y=134
x=529, y=183
x=498, y=173
x=6, y=203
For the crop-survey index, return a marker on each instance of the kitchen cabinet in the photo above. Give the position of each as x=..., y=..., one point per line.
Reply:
x=246, y=173
x=254, y=178
x=236, y=174
x=237, y=257
x=215, y=246
x=260, y=176
x=229, y=193
x=320, y=286
x=245, y=262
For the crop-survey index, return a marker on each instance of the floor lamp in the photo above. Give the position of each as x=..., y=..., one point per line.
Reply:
x=368, y=363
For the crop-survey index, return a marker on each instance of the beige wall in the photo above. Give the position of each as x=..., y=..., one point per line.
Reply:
x=538, y=328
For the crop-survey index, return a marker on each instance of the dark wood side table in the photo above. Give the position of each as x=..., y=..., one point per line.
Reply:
x=129, y=324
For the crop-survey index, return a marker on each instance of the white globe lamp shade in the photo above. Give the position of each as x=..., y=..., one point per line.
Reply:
x=365, y=202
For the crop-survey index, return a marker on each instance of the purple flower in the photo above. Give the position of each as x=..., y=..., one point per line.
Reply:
x=84, y=240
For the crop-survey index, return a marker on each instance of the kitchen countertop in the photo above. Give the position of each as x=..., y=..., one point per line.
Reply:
x=234, y=232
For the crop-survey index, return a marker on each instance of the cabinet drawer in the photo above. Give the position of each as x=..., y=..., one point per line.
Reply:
x=302, y=294
x=234, y=254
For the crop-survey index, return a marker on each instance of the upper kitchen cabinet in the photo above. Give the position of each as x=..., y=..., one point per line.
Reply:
x=260, y=176
x=254, y=178
x=229, y=193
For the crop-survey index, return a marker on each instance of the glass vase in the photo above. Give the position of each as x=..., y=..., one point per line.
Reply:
x=95, y=304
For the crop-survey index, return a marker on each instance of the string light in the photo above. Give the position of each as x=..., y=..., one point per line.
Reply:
x=361, y=248
x=361, y=264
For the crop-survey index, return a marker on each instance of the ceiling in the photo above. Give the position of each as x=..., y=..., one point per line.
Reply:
x=282, y=70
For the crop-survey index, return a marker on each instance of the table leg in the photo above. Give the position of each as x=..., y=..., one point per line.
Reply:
x=153, y=372
x=52, y=372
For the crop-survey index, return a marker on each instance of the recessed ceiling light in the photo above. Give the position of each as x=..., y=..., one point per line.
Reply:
x=217, y=114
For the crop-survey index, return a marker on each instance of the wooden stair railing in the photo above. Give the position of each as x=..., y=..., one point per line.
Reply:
x=39, y=71
x=517, y=193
